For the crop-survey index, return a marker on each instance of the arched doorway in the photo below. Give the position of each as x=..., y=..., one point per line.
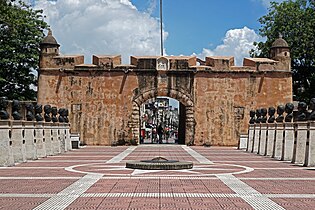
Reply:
x=159, y=121
x=186, y=126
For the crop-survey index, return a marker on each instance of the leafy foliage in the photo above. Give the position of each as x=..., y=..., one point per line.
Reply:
x=295, y=20
x=21, y=31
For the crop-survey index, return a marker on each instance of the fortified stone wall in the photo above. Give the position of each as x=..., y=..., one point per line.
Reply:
x=104, y=97
x=225, y=99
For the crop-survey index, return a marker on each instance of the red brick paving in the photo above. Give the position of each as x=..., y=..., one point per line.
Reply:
x=169, y=184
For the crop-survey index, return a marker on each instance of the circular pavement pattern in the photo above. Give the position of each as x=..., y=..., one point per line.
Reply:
x=199, y=170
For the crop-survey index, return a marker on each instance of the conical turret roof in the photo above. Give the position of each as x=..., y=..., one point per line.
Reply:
x=49, y=40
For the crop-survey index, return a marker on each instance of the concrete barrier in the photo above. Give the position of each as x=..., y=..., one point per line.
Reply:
x=18, y=142
x=6, y=154
x=288, y=144
x=277, y=154
x=256, y=138
x=40, y=143
x=251, y=135
x=30, y=145
x=301, y=139
x=263, y=138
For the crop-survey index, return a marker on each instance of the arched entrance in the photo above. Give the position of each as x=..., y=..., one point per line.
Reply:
x=159, y=121
x=186, y=127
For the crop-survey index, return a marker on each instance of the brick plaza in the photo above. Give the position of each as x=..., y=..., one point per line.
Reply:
x=96, y=178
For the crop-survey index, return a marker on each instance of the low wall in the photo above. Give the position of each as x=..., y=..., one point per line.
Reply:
x=29, y=140
x=290, y=138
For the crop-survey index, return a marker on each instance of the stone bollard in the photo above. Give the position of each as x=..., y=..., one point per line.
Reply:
x=48, y=138
x=271, y=139
x=67, y=137
x=256, y=138
x=62, y=137
x=300, y=145
x=30, y=144
x=310, y=147
x=18, y=142
x=263, y=138
x=251, y=135
x=55, y=139
x=6, y=155
x=39, y=137
x=277, y=153
x=243, y=141
x=288, y=143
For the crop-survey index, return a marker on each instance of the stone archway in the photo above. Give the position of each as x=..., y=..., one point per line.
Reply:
x=175, y=94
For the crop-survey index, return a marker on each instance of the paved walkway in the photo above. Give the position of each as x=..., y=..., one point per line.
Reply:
x=96, y=178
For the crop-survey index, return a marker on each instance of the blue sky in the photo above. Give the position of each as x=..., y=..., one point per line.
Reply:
x=131, y=27
x=195, y=24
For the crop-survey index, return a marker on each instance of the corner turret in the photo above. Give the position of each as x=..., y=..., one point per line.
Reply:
x=49, y=46
x=280, y=51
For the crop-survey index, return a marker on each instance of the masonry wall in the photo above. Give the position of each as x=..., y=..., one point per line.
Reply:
x=100, y=103
x=224, y=99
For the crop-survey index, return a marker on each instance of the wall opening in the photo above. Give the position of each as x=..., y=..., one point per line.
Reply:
x=162, y=121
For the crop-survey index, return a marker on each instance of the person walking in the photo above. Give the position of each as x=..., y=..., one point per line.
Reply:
x=160, y=133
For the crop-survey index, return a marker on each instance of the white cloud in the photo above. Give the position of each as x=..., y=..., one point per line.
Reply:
x=102, y=27
x=237, y=43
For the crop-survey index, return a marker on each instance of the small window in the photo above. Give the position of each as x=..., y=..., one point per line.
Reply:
x=285, y=54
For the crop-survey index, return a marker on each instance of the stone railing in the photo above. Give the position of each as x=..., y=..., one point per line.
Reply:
x=29, y=136
x=288, y=138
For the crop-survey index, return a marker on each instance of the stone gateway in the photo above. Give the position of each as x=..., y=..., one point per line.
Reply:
x=104, y=98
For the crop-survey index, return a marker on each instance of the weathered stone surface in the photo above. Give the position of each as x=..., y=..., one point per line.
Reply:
x=271, y=139
x=6, y=154
x=301, y=139
x=288, y=144
x=251, y=135
x=104, y=102
x=263, y=139
x=30, y=143
x=278, y=141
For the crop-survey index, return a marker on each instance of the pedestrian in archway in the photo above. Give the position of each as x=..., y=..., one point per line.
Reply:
x=160, y=133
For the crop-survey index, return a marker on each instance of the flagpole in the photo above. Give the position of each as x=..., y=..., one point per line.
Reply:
x=161, y=27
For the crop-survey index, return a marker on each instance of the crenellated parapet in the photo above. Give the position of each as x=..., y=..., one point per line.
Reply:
x=51, y=59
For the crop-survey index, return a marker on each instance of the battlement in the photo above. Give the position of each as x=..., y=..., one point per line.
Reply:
x=211, y=63
x=51, y=59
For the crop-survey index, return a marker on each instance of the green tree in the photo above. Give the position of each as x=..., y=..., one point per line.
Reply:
x=21, y=31
x=295, y=20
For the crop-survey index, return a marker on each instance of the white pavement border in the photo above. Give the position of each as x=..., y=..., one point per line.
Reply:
x=196, y=155
x=247, y=193
x=64, y=198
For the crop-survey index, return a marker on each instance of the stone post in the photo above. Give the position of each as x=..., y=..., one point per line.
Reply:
x=67, y=137
x=30, y=144
x=271, y=139
x=62, y=137
x=48, y=137
x=301, y=139
x=263, y=138
x=55, y=139
x=288, y=143
x=310, y=147
x=256, y=138
x=39, y=137
x=6, y=155
x=277, y=154
x=18, y=142
x=243, y=141
x=251, y=135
